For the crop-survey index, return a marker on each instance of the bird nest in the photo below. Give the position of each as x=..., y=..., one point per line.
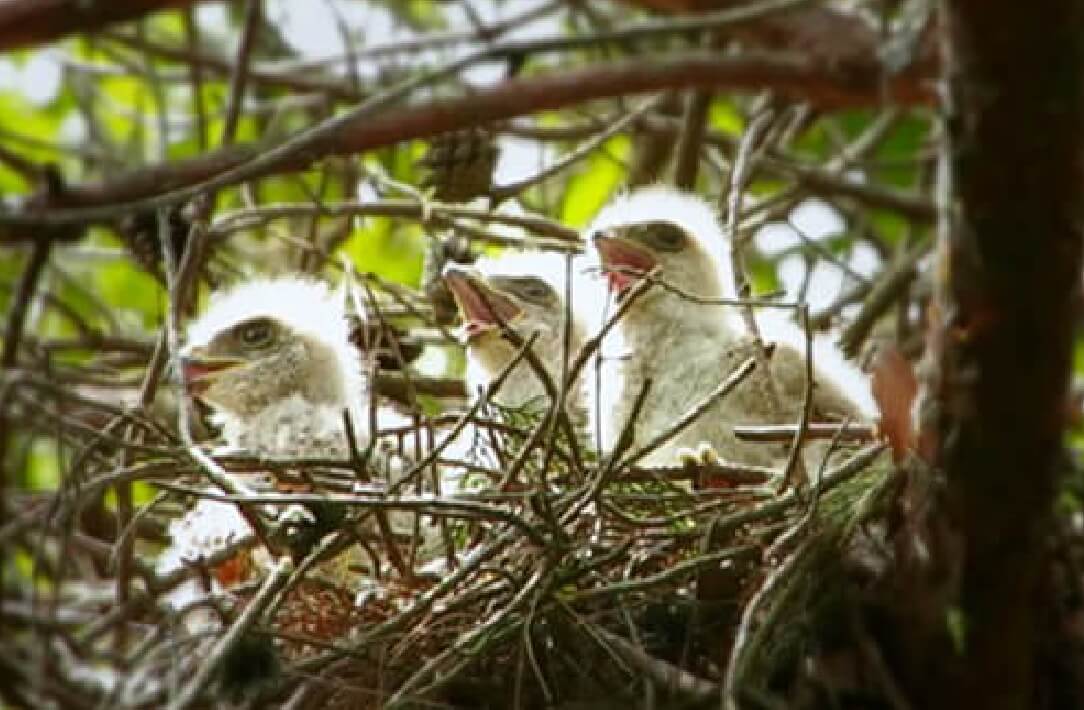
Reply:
x=546, y=576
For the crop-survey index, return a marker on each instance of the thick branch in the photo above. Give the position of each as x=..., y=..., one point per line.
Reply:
x=149, y=188
x=24, y=23
x=1006, y=301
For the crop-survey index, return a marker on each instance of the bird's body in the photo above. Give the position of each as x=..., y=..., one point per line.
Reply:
x=273, y=360
x=526, y=293
x=685, y=347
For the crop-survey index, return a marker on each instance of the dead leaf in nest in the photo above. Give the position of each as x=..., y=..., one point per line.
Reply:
x=894, y=388
x=234, y=570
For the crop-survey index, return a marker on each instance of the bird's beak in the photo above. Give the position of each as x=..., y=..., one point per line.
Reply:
x=199, y=370
x=483, y=307
x=623, y=261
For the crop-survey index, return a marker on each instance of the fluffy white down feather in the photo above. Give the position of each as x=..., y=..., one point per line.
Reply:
x=489, y=356
x=688, y=348
x=289, y=427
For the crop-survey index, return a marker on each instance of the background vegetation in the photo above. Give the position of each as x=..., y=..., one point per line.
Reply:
x=152, y=151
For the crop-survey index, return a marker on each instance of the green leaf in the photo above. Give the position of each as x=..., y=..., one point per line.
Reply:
x=956, y=625
x=393, y=252
x=592, y=187
x=724, y=116
x=42, y=466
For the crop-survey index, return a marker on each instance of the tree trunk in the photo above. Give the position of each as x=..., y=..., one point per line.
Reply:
x=1000, y=346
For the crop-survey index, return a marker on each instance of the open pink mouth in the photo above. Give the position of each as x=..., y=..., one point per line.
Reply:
x=198, y=373
x=624, y=262
x=482, y=308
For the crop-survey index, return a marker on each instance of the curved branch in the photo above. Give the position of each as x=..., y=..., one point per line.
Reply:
x=824, y=85
x=24, y=23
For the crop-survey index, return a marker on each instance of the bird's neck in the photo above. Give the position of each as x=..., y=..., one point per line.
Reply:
x=291, y=427
x=671, y=319
x=522, y=387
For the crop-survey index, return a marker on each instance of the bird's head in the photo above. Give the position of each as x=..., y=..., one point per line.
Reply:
x=665, y=230
x=268, y=341
x=525, y=292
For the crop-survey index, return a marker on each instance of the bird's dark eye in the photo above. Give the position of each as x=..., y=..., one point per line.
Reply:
x=665, y=236
x=256, y=333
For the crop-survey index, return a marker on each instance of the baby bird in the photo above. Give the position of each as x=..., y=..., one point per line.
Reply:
x=274, y=361
x=688, y=348
x=527, y=293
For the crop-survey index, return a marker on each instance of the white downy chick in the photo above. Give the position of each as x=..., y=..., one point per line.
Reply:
x=272, y=358
x=527, y=293
x=686, y=348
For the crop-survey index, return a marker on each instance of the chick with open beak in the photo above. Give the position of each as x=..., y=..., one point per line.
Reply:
x=526, y=293
x=624, y=263
x=684, y=344
x=273, y=360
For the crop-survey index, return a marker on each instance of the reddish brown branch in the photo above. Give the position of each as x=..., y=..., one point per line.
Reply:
x=303, y=83
x=25, y=23
x=824, y=85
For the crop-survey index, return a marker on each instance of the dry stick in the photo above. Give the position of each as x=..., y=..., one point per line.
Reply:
x=502, y=192
x=241, y=69
x=124, y=546
x=665, y=674
x=763, y=302
x=739, y=174
x=195, y=73
x=422, y=603
x=280, y=573
x=382, y=522
x=424, y=503
x=550, y=422
x=469, y=415
x=681, y=569
x=400, y=296
x=466, y=640
x=433, y=40
x=626, y=437
x=566, y=352
x=552, y=412
x=881, y=296
x=249, y=217
x=356, y=132
x=794, y=462
x=624, y=441
x=721, y=390
x=693, y=128
x=12, y=333
x=594, y=342
x=170, y=340
x=786, y=432
x=831, y=479
x=298, y=75
x=181, y=281
x=826, y=180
